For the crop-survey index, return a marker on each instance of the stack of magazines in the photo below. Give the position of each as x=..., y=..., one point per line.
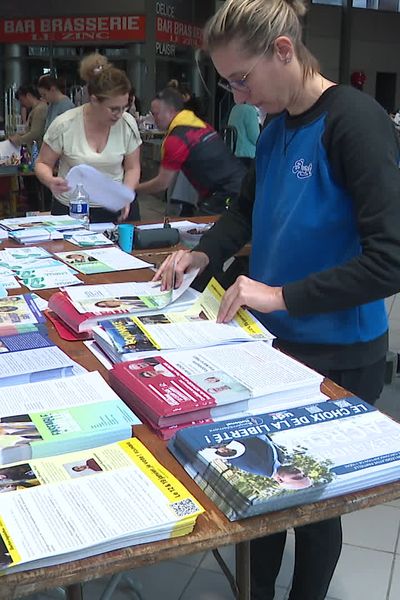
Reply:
x=257, y=464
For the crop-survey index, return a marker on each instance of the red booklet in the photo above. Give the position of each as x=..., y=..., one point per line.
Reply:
x=160, y=392
x=61, y=304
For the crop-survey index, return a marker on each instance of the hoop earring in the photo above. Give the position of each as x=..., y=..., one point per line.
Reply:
x=287, y=60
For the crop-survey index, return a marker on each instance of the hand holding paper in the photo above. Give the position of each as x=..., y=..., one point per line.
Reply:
x=102, y=190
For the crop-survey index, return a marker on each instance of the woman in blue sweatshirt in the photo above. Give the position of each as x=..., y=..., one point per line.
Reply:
x=322, y=212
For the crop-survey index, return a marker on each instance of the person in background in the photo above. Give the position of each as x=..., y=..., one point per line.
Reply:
x=89, y=67
x=99, y=134
x=244, y=118
x=133, y=104
x=29, y=97
x=58, y=102
x=193, y=146
x=191, y=101
x=322, y=211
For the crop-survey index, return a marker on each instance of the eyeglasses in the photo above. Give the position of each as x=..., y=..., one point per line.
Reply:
x=239, y=85
x=117, y=110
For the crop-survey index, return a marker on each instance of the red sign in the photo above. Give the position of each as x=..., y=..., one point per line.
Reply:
x=178, y=32
x=127, y=28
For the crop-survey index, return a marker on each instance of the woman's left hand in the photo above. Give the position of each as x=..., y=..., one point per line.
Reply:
x=124, y=213
x=252, y=294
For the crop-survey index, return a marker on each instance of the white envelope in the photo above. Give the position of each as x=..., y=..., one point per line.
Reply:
x=102, y=190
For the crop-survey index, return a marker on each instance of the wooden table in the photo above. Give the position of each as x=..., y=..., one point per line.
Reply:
x=212, y=529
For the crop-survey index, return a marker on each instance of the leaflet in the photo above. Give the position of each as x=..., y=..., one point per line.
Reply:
x=32, y=365
x=60, y=415
x=223, y=369
x=198, y=328
x=16, y=257
x=17, y=312
x=7, y=279
x=55, y=277
x=36, y=234
x=33, y=267
x=286, y=458
x=60, y=222
x=60, y=393
x=89, y=239
x=102, y=189
x=102, y=260
x=136, y=501
x=125, y=297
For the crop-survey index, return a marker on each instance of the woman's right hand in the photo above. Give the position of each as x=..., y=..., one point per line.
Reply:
x=58, y=185
x=174, y=267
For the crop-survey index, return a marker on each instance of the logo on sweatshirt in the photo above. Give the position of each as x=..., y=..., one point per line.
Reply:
x=301, y=170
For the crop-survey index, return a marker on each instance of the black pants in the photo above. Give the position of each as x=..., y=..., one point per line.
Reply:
x=318, y=545
x=98, y=215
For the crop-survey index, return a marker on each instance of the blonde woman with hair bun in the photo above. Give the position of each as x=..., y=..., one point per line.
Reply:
x=90, y=66
x=322, y=212
x=100, y=134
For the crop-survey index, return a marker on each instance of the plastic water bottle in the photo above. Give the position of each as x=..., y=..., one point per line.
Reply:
x=79, y=205
x=34, y=154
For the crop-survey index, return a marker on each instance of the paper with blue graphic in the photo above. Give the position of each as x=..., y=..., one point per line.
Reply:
x=257, y=464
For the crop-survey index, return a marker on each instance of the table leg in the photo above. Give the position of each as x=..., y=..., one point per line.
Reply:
x=243, y=570
x=74, y=592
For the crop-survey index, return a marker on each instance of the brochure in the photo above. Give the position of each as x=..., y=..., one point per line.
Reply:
x=121, y=338
x=179, y=387
x=16, y=258
x=117, y=298
x=89, y=239
x=7, y=279
x=254, y=465
x=52, y=277
x=58, y=222
x=129, y=498
x=32, y=358
x=19, y=313
x=102, y=260
x=61, y=415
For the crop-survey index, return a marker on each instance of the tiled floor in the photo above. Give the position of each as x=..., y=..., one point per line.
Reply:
x=369, y=567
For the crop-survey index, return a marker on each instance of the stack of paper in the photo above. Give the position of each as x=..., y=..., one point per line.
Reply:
x=35, y=234
x=61, y=415
x=36, y=268
x=130, y=498
x=102, y=260
x=20, y=314
x=57, y=223
x=253, y=465
x=28, y=357
x=88, y=239
x=124, y=338
x=81, y=308
x=180, y=388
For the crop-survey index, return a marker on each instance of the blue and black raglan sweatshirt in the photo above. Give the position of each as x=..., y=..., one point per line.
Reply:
x=323, y=215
